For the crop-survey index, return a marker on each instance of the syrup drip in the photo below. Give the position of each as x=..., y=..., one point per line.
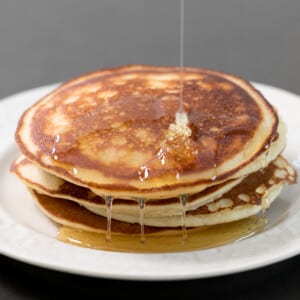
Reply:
x=214, y=177
x=215, y=165
x=142, y=203
x=108, y=203
x=183, y=200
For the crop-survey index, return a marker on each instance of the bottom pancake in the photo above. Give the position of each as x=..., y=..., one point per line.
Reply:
x=85, y=229
x=69, y=213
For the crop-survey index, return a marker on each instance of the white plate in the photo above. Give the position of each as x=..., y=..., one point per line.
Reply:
x=27, y=235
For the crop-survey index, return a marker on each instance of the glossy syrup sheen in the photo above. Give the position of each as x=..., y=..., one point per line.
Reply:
x=196, y=239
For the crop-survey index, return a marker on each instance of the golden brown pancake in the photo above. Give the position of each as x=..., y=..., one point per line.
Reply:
x=107, y=131
x=255, y=193
x=49, y=184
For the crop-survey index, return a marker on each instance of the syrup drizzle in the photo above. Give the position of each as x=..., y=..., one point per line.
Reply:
x=183, y=200
x=108, y=203
x=142, y=202
x=181, y=108
x=215, y=165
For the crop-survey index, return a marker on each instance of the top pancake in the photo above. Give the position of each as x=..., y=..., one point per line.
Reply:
x=108, y=131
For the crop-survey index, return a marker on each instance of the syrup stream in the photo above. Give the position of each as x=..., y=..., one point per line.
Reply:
x=183, y=200
x=181, y=109
x=142, y=208
x=108, y=202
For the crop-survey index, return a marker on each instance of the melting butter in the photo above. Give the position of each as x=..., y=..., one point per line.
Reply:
x=180, y=128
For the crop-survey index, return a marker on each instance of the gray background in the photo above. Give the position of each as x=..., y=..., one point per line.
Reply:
x=44, y=42
x=47, y=41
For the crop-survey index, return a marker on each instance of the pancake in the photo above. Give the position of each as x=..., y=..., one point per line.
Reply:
x=51, y=185
x=114, y=152
x=253, y=194
x=108, y=131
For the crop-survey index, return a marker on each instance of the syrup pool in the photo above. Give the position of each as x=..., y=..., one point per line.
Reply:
x=197, y=239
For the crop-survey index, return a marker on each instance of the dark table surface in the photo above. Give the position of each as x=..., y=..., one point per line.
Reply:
x=44, y=42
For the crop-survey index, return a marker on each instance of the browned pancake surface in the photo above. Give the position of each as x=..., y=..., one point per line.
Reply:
x=108, y=129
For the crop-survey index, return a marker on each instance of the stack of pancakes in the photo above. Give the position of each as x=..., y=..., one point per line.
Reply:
x=104, y=145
